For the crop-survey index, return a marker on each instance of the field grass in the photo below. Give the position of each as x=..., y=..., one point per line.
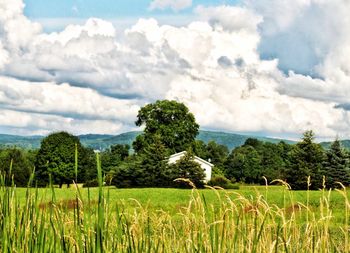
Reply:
x=252, y=219
x=172, y=200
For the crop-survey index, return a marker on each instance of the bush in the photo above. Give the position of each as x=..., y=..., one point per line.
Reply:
x=91, y=183
x=223, y=182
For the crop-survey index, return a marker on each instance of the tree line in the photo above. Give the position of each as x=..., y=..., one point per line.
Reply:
x=169, y=127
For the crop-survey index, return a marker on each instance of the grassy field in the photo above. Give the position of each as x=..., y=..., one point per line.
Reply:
x=252, y=219
x=172, y=200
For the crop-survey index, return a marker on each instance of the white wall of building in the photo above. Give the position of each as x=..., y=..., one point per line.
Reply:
x=206, y=166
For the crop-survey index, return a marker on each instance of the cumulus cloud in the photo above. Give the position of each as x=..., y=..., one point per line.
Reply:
x=16, y=31
x=91, y=78
x=42, y=124
x=64, y=100
x=311, y=39
x=302, y=34
x=176, y=5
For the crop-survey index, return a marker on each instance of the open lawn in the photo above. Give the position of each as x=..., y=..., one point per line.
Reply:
x=172, y=200
x=251, y=219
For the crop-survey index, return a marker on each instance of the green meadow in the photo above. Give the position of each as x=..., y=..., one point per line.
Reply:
x=107, y=219
x=172, y=200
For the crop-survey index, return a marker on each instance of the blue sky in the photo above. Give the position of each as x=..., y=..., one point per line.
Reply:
x=104, y=8
x=248, y=66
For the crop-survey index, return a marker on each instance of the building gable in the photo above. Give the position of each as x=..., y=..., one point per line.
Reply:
x=205, y=165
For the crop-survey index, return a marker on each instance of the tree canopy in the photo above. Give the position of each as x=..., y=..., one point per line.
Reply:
x=170, y=120
x=16, y=164
x=306, y=160
x=56, y=157
x=336, y=166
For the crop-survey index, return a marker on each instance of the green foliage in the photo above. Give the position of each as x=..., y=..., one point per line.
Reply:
x=274, y=160
x=154, y=164
x=216, y=153
x=244, y=164
x=171, y=120
x=91, y=183
x=336, y=166
x=56, y=157
x=147, y=169
x=187, y=168
x=113, y=156
x=213, y=152
x=255, y=159
x=222, y=182
x=128, y=173
x=306, y=160
x=16, y=164
x=199, y=148
x=253, y=142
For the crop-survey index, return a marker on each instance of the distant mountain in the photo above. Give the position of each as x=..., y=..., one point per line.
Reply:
x=28, y=142
x=95, y=141
x=124, y=138
x=100, y=141
x=232, y=140
x=345, y=144
x=103, y=141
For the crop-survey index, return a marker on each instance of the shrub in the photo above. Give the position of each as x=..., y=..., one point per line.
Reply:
x=91, y=183
x=222, y=182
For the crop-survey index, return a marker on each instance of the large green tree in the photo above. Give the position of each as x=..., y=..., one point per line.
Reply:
x=243, y=164
x=171, y=120
x=336, y=166
x=56, y=157
x=273, y=161
x=306, y=160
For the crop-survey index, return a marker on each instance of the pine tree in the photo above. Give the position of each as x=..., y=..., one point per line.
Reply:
x=154, y=164
x=336, y=166
x=306, y=160
x=187, y=168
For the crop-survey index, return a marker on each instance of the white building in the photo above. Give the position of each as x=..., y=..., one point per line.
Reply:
x=206, y=166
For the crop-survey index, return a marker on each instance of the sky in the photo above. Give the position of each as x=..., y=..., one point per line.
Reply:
x=266, y=67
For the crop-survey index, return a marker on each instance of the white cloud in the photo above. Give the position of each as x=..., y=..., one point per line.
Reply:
x=176, y=5
x=16, y=30
x=93, y=78
x=230, y=17
x=49, y=98
x=306, y=35
x=41, y=124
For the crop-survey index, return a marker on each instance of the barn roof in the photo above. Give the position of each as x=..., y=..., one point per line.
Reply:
x=195, y=157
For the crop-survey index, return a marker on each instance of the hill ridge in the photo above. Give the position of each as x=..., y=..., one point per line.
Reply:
x=102, y=141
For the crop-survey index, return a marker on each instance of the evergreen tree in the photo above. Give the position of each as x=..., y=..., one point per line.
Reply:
x=187, y=168
x=336, y=166
x=113, y=156
x=147, y=169
x=154, y=164
x=306, y=160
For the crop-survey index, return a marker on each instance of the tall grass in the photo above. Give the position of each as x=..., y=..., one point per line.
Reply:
x=233, y=223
